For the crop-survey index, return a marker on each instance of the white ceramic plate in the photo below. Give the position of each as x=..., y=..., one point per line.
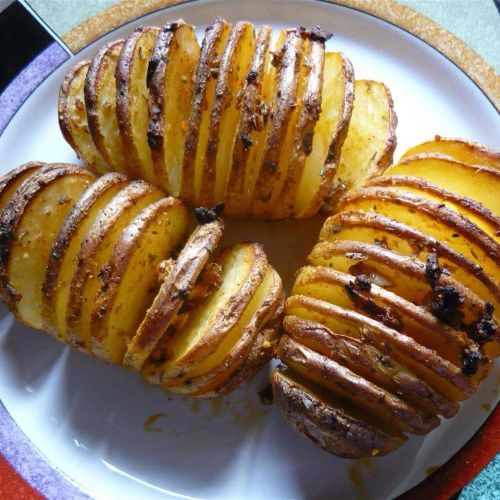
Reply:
x=88, y=418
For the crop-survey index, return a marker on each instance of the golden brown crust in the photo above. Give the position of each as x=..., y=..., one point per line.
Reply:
x=389, y=341
x=251, y=120
x=204, y=72
x=100, y=77
x=368, y=362
x=74, y=219
x=283, y=107
x=359, y=391
x=330, y=426
x=173, y=291
x=11, y=181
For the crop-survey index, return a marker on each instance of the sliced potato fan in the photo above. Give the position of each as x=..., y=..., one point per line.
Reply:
x=102, y=265
x=243, y=119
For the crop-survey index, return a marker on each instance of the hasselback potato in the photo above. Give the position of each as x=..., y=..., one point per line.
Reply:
x=273, y=129
x=103, y=265
x=394, y=322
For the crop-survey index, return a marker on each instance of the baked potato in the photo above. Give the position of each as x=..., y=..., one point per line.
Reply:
x=241, y=120
x=403, y=293
x=101, y=264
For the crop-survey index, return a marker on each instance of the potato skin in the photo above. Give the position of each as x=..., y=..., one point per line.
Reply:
x=173, y=291
x=14, y=179
x=330, y=428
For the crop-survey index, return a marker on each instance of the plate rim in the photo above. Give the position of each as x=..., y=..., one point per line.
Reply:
x=483, y=445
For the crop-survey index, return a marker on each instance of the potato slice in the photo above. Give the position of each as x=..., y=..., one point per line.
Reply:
x=371, y=138
x=211, y=321
x=370, y=227
x=11, y=181
x=132, y=101
x=368, y=362
x=283, y=116
x=329, y=422
x=250, y=135
x=94, y=254
x=131, y=276
x=207, y=377
x=212, y=48
x=62, y=259
x=472, y=181
x=100, y=101
x=403, y=276
x=346, y=384
x=72, y=116
x=460, y=150
x=225, y=113
x=432, y=218
x=170, y=81
x=337, y=99
x=439, y=373
x=308, y=110
x=469, y=208
x=173, y=292
x=382, y=305
x=28, y=227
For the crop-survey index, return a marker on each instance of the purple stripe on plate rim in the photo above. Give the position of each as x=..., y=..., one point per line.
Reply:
x=23, y=85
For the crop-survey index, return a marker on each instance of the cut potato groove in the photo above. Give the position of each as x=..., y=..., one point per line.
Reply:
x=170, y=76
x=439, y=373
x=72, y=115
x=368, y=362
x=469, y=208
x=460, y=150
x=100, y=101
x=213, y=371
x=402, y=275
x=282, y=117
x=242, y=270
x=131, y=280
x=432, y=218
x=481, y=183
x=225, y=112
x=329, y=422
x=173, y=292
x=203, y=96
x=346, y=384
x=132, y=101
x=250, y=134
x=329, y=134
x=94, y=254
x=308, y=111
x=371, y=138
x=373, y=228
x=29, y=225
x=62, y=258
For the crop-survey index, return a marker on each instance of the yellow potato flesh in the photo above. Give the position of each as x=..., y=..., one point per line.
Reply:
x=112, y=149
x=430, y=224
x=205, y=117
x=139, y=284
x=480, y=184
x=369, y=131
x=332, y=107
x=35, y=236
x=138, y=102
x=236, y=267
x=76, y=114
x=8, y=191
x=407, y=246
x=231, y=115
x=100, y=258
x=458, y=150
x=177, y=91
x=61, y=290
